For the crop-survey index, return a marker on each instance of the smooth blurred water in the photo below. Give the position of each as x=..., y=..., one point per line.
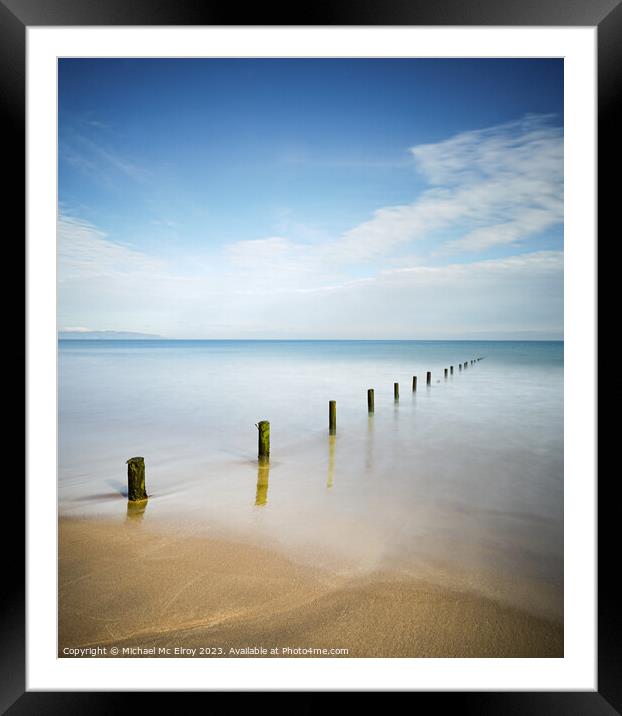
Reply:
x=461, y=481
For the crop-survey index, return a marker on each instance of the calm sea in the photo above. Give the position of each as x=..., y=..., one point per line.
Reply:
x=460, y=482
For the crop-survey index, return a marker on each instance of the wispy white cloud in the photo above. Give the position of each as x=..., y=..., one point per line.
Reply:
x=543, y=262
x=487, y=188
x=103, y=283
x=275, y=265
x=496, y=186
x=84, y=251
x=96, y=158
x=267, y=290
x=98, y=124
x=517, y=295
x=521, y=147
x=278, y=251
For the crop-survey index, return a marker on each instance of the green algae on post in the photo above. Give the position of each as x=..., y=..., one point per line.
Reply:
x=396, y=391
x=136, y=479
x=370, y=400
x=264, y=439
x=332, y=417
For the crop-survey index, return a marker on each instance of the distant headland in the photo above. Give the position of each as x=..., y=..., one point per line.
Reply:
x=105, y=335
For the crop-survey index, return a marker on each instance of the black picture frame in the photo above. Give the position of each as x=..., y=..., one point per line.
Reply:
x=606, y=15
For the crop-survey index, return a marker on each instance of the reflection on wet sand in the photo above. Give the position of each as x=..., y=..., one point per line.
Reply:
x=136, y=509
x=370, y=443
x=263, y=474
x=331, y=459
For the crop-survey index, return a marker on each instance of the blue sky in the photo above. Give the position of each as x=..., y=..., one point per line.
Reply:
x=311, y=198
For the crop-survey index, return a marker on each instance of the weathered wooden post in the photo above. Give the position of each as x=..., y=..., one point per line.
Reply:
x=451, y=370
x=445, y=373
x=466, y=365
x=332, y=417
x=370, y=400
x=264, y=439
x=428, y=378
x=414, y=383
x=459, y=366
x=396, y=391
x=136, y=479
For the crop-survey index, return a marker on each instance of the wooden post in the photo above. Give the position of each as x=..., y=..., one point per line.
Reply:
x=332, y=417
x=370, y=400
x=445, y=373
x=264, y=439
x=136, y=479
x=396, y=391
x=414, y=383
x=466, y=365
x=451, y=370
x=428, y=378
x=459, y=366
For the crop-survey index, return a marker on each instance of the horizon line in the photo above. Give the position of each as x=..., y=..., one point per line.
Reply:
x=324, y=340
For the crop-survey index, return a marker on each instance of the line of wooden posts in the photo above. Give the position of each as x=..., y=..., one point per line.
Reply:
x=136, y=491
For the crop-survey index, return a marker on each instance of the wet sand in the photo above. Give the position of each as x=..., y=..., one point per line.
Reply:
x=126, y=585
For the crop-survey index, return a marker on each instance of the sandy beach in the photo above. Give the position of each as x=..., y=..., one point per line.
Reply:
x=128, y=585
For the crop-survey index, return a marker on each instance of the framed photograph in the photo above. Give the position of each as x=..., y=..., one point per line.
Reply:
x=308, y=303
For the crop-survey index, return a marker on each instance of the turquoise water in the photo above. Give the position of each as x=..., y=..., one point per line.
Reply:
x=460, y=482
